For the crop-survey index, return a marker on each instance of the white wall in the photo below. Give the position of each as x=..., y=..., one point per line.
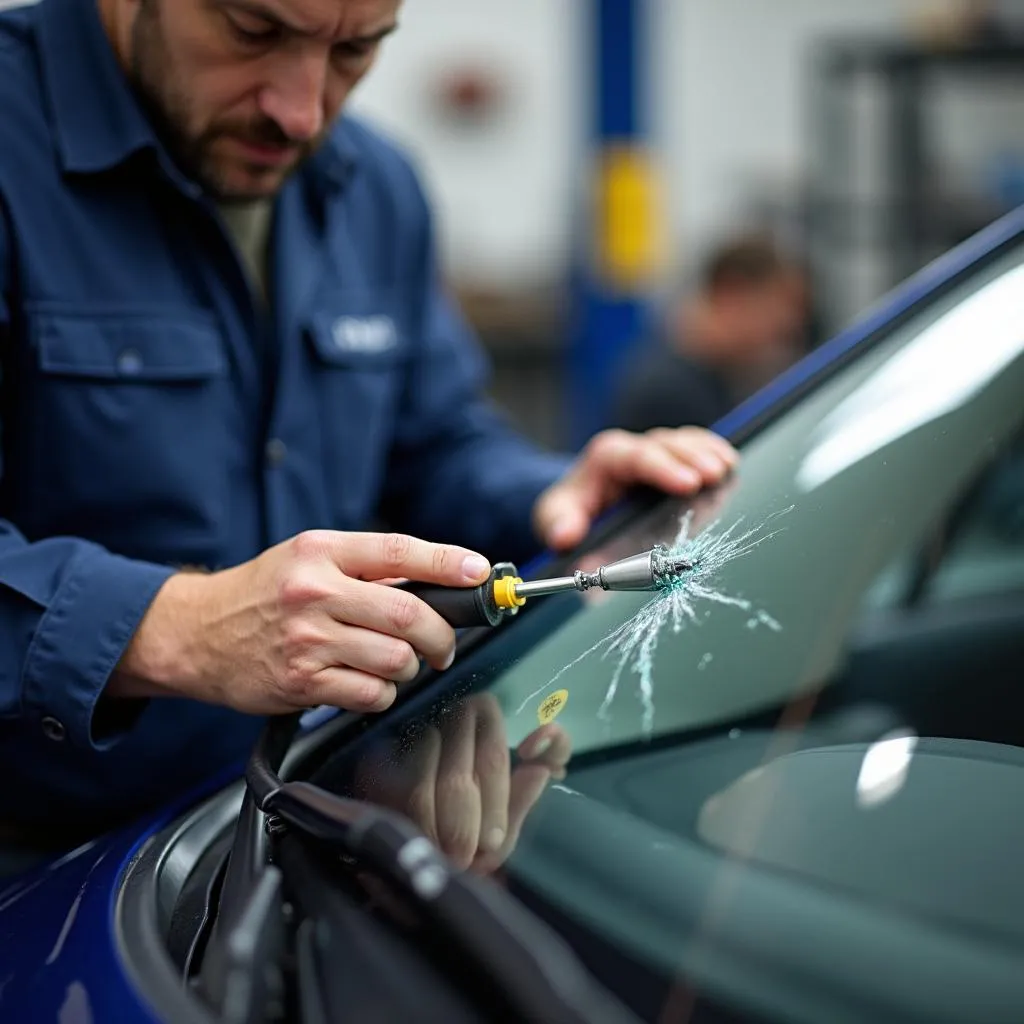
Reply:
x=503, y=194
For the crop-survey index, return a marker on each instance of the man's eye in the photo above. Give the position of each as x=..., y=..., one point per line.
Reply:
x=257, y=32
x=354, y=51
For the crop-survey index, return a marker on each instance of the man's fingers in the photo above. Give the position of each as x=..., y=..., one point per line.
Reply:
x=364, y=650
x=378, y=556
x=526, y=786
x=655, y=465
x=710, y=455
x=674, y=461
x=493, y=767
x=545, y=755
x=562, y=519
x=702, y=438
x=457, y=794
x=722, y=447
x=613, y=461
x=421, y=769
x=342, y=688
x=565, y=511
x=395, y=613
x=549, y=745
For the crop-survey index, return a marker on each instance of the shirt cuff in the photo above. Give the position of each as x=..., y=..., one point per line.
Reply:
x=80, y=640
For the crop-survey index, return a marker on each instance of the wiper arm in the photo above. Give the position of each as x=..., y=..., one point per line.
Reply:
x=531, y=970
x=242, y=974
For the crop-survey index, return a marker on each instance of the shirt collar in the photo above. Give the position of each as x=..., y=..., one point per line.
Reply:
x=98, y=123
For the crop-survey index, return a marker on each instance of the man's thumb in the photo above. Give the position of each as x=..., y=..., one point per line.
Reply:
x=563, y=521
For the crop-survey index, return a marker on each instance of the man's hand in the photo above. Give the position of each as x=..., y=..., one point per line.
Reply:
x=675, y=461
x=306, y=623
x=458, y=785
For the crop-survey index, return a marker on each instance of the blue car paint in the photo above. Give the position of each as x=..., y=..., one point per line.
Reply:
x=58, y=951
x=58, y=954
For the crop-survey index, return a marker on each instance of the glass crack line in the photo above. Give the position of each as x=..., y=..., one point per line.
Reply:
x=634, y=644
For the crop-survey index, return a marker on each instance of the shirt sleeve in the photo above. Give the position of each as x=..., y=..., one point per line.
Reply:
x=458, y=471
x=67, y=611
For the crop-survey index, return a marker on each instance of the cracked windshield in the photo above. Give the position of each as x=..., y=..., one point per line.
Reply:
x=632, y=646
x=832, y=506
x=892, y=493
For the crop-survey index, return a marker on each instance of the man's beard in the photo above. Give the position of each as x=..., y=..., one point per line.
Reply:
x=168, y=109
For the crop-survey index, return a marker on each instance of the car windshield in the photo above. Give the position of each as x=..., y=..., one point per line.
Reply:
x=857, y=587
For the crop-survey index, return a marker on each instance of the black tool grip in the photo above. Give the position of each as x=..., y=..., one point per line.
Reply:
x=461, y=608
x=465, y=607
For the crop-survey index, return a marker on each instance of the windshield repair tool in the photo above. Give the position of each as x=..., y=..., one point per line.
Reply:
x=505, y=592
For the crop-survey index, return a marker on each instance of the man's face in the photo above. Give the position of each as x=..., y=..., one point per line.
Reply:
x=244, y=90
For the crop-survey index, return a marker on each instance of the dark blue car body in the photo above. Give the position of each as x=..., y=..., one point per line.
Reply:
x=59, y=953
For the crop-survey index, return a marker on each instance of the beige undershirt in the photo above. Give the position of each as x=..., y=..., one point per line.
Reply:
x=249, y=227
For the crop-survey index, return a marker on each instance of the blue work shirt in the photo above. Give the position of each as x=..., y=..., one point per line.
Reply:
x=139, y=431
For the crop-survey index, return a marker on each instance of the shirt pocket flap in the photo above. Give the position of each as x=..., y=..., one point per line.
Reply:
x=358, y=331
x=128, y=346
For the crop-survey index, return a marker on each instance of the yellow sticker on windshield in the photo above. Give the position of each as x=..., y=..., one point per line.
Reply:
x=552, y=706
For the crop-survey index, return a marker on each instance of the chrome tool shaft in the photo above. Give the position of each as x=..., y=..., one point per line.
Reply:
x=651, y=570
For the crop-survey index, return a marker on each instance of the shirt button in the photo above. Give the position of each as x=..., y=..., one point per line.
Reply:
x=276, y=451
x=129, y=363
x=53, y=729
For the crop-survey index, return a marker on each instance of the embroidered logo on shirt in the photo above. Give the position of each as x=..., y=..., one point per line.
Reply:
x=364, y=334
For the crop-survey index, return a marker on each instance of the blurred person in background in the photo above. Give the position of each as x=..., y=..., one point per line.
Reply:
x=227, y=362
x=745, y=323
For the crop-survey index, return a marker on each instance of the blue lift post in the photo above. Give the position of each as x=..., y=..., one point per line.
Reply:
x=619, y=252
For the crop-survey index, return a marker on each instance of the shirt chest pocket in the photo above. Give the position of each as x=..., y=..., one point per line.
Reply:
x=129, y=425
x=360, y=352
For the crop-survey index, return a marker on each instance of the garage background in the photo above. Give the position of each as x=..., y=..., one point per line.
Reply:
x=867, y=137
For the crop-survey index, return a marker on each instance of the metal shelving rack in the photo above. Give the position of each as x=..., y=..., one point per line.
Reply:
x=877, y=209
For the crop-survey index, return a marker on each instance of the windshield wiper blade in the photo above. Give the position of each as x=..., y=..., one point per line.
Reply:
x=527, y=966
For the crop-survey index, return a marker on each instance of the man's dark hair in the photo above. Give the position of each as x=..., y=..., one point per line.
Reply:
x=750, y=260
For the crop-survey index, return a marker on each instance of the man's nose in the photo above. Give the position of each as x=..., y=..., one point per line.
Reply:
x=294, y=99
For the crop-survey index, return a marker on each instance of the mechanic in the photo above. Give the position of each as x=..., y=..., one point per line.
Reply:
x=227, y=361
